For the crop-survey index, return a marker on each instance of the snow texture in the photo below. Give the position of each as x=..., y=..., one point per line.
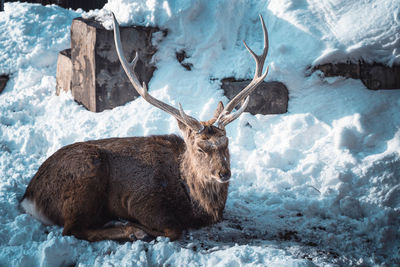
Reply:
x=319, y=185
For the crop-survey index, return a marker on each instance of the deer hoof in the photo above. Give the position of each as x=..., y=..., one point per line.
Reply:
x=132, y=237
x=138, y=234
x=172, y=234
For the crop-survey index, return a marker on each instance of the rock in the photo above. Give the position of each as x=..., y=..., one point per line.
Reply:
x=268, y=98
x=348, y=70
x=181, y=56
x=64, y=71
x=98, y=80
x=3, y=81
x=373, y=75
x=378, y=76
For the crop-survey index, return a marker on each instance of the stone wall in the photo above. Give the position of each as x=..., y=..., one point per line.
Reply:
x=97, y=79
x=373, y=75
x=92, y=71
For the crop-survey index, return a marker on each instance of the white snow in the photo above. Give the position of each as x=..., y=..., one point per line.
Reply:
x=318, y=185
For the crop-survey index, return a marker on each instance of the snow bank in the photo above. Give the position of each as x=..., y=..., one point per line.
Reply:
x=316, y=186
x=350, y=30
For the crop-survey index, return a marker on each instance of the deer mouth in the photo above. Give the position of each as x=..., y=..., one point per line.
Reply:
x=222, y=179
x=222, y=182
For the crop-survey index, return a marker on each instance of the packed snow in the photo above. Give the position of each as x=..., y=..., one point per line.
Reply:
x=319, y=185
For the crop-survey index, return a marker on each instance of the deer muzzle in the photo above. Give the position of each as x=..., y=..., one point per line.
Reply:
x=224, y=176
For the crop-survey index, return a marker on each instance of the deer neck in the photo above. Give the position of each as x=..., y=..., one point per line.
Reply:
x=207, y=196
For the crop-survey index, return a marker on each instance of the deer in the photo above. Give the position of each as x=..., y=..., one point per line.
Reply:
x=138, y=188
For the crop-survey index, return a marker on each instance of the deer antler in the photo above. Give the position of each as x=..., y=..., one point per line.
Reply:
x=142, y=89
x=243, y=97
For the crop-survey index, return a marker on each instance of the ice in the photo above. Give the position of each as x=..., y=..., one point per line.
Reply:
x=318, y=185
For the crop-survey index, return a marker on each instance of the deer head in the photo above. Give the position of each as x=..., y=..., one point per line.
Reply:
x=208, y=147
x=206, y=142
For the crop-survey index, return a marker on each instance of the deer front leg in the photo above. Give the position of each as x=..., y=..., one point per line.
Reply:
x=156, y=218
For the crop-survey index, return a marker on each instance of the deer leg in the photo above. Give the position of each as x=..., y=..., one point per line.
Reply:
x=158, y=220
x=173, y=234
x=117, y=233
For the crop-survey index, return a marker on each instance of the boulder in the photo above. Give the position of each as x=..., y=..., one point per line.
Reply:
x=3, y=81
x=267, y=98
x=98, y=80
x=373, y=75
x=64, y=71
x=348, y=70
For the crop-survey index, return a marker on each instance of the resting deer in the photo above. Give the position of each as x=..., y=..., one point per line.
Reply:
x=159, y=185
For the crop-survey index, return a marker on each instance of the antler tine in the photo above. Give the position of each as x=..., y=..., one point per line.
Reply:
x=261, y=58
x=134, y=61
x=233, y=116
x=142, y=89
x=257, y=79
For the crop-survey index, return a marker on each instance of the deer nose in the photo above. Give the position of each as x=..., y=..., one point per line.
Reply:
x=225, y=175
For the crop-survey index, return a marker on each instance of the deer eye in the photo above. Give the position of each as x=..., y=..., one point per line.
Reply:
x=200, y=150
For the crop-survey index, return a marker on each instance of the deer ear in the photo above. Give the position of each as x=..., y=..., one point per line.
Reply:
x=217, y=111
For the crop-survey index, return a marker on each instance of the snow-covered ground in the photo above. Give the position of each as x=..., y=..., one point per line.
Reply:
x=319, y=185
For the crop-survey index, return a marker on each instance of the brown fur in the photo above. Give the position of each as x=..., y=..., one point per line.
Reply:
x=161, y=185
